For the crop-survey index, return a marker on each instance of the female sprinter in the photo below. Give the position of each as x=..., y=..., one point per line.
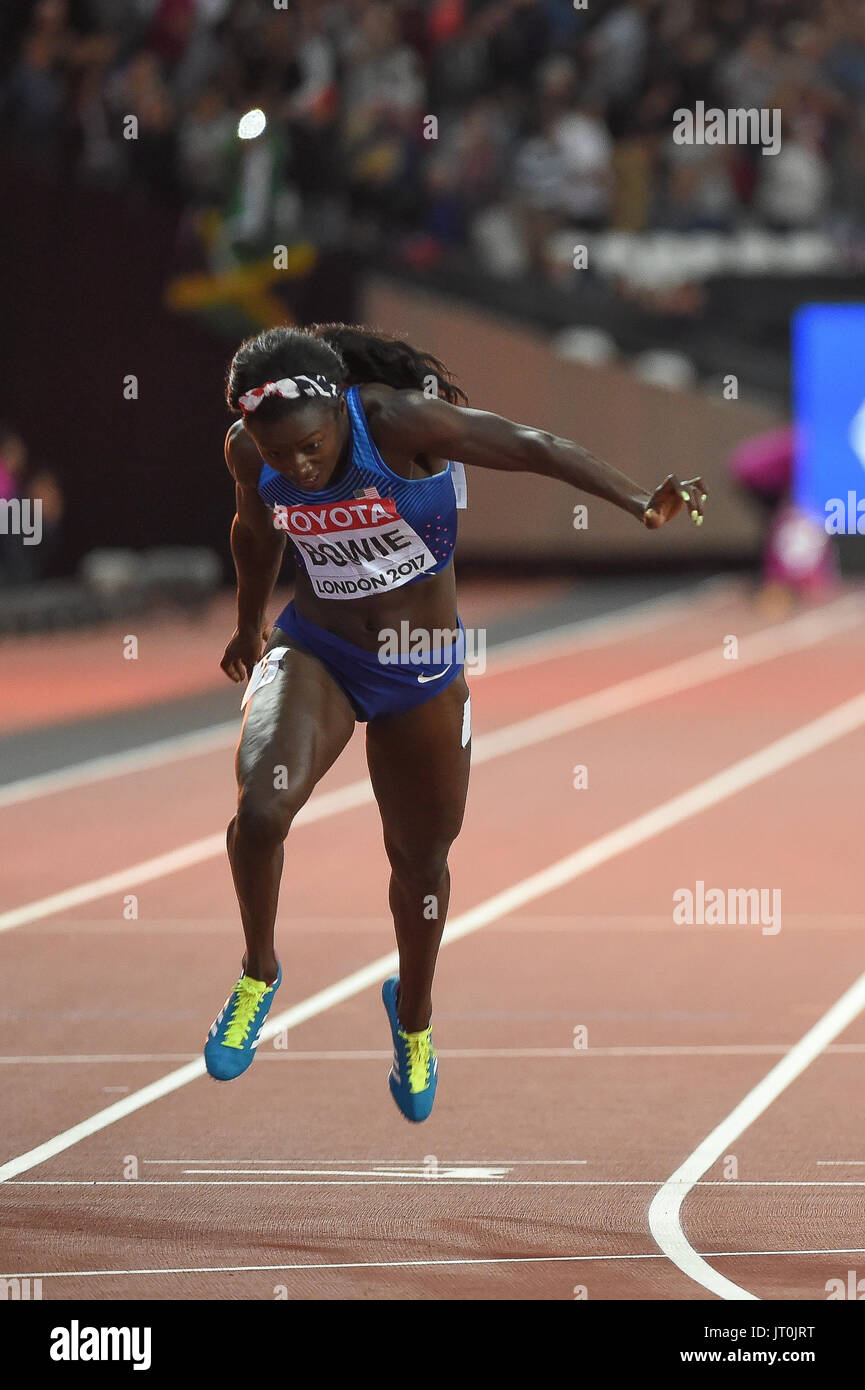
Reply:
x=343, y=444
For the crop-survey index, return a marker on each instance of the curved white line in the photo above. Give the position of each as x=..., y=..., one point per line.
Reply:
x=665, y=1210
x=397, y=1264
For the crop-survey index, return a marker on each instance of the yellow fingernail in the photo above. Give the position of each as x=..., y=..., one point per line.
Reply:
x=695, y=515
x=684, y=496
x=699, y=521
x=703, y=496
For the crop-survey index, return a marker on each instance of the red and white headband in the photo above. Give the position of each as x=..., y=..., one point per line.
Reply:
x=290, y=387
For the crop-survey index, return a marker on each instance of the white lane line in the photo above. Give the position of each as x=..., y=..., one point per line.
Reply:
x=766, y=645
x=397, y=1162
x=151, y=755
x=665, y=1210
x=445, y=1171
x=504, y=656
x=262, y=1179
x=603, y=632
x=480, y=1173
x=462, y=1054
x=406, y=1264
x=317, y=808
x=844, y=719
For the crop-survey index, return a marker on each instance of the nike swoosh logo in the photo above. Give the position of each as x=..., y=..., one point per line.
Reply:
x=424, y=680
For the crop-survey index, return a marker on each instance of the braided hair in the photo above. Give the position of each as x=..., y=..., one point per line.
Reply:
x=346, y=354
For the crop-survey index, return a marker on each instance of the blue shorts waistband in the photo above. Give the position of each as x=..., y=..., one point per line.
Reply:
x=390, y=679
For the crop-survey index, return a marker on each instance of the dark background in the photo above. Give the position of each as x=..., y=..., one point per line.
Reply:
x=82, y=283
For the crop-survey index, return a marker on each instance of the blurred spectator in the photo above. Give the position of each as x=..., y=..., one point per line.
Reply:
x=13, y=461
x=207, y=146
x=747, y=78
x=799, y=559
x=44, y=488
x=585, y=146
x=38, y=86
x=383, y=89
x=618, y=48
x=33, y=495
x=702, y=196
x=140, y=91
x=794, y=187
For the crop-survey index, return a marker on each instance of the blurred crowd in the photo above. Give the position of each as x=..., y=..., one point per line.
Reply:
x=429, y=129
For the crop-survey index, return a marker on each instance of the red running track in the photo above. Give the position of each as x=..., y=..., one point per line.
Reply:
x=588, y=1042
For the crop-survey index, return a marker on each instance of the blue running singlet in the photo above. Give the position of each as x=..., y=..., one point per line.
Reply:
x=372, y=531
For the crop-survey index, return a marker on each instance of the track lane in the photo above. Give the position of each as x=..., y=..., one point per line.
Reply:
x=357, y=1015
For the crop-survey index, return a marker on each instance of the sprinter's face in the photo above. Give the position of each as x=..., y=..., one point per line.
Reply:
x=307, y=444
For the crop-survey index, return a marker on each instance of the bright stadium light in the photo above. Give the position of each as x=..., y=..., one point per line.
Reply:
x=250, y=126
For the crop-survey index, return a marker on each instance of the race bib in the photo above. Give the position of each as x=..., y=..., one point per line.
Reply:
x=263, y=672
x=355, y=547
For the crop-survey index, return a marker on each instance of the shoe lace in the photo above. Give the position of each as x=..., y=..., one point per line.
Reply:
x=248, y=994
x=420, y=1055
